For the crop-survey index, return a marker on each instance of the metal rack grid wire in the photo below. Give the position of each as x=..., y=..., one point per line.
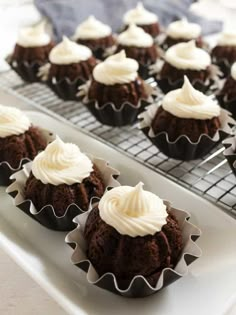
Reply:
x=218, y=186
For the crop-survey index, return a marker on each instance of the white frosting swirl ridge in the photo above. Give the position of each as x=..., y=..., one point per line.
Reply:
x=183, y=29
x=227, y=38
x=187, y=56
x=92, y=29
x=116, y=69
x=61, y=163
x=68, y=52
x=140, y=16
x=233, y=71
x=135, y=36
x=188, y=102
x=12, y=121
x=34, y=36
x=133, y=211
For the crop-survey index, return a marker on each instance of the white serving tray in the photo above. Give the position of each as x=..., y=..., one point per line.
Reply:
x=208, y=289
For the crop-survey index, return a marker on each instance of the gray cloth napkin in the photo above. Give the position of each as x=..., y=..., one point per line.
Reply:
x=65, y=15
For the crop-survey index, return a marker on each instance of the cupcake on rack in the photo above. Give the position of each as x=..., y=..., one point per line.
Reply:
x=138, y=45
x=182, y=31
x=60, y=183
x=96, y=35
x=130, y=239
x=187, y=124
x=185, y=59
x=71, y=65
x=116, y=93
x=227, y=95
x=31, y=51
x=20, y=141
x=224, y=53
x=144, y=19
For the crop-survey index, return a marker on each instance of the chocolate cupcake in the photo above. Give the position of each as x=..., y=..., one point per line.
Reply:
x=227, y=95
x=133, y=237
x=116, y=93
x=187, y=124
x=31, y=52
x=138, y=45
x=96, y=35
x=182, y=31
x=61, y=183
x=185, y=59
x=20, y=141
x=70, y=66
x=144, y=19
x=224, y=53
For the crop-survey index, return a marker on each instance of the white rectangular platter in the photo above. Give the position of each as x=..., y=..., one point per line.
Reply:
x=208, y=289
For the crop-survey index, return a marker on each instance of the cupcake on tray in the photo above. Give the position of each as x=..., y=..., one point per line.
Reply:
x=60, y=183
x=20, y=141
x=144, y=19
x=31, y=52
x=186, y=59
x=116, y=93
x=182, y=31
x=224, y=53
x=187, y=124
x=230, y=152
x=227, y=95
x=70, y=66
x=138, y=45
x=133, y=243
x=96, y=35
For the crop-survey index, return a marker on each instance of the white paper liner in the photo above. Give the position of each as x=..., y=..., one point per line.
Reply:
x=47, y=215
x=108, y=114
x=230, y=152
x=183, y=148
x=139, y=286
x=6, y=170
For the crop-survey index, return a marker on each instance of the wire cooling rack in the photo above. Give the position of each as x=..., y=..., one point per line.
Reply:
x=211, y=178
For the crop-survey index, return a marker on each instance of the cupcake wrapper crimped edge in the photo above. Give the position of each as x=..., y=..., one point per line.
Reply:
x=139, y=286
x=108, y=114
x=46, y=215
x=27, y=71
x=182, y=148
x=229, y=105
x=230, y=152
x=6, y=170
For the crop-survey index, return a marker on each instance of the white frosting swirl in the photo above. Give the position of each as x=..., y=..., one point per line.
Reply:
x=187, y=56
x=92, y=29
x=140, y=16
x=61, y=163
x=188, y=102
x=135, y=36
x=233, y=71
x=183, y=29
x=33, y=36
x=133, y=211
x=68, y=52
x=12, y=121
x=116, y=69
x=227, y=38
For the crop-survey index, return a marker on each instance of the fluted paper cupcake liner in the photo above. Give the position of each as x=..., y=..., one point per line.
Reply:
x=228, y=104
x=139, y=286
x=47, y=215
x=6, y=170
x=167, y=85
x=108, y=114
x=28, y=71
x=224, y=66
x=63, y=88
x=183, y=148
x=230, y=152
